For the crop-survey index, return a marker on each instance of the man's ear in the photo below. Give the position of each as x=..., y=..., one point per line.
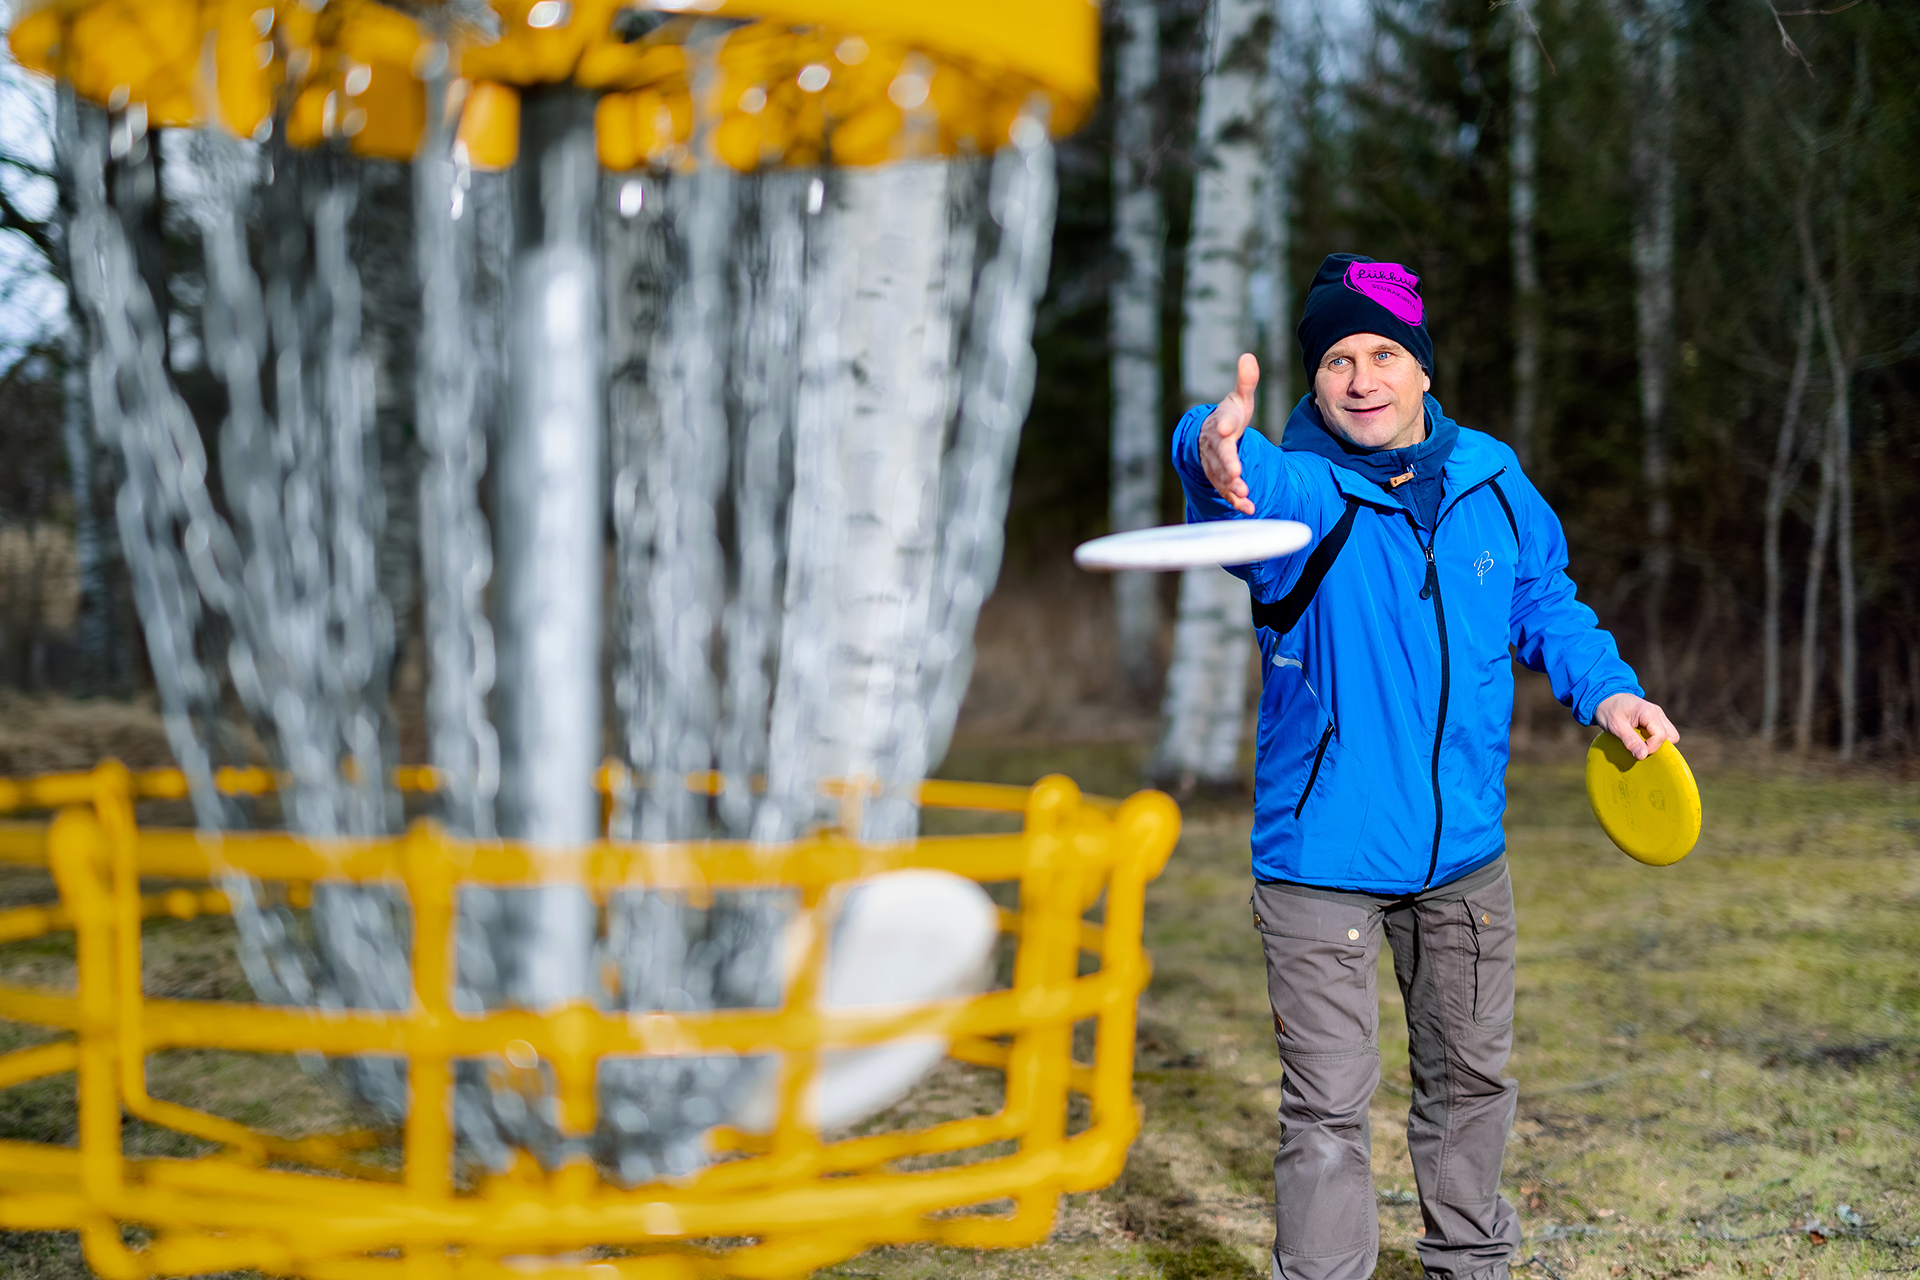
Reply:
x=1426, y=381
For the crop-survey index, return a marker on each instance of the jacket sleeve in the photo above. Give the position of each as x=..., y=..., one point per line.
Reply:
x=1275, y=484
x=1552, y=632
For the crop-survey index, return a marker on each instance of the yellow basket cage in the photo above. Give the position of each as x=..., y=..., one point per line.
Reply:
x=367, y=1204
x=353, y=70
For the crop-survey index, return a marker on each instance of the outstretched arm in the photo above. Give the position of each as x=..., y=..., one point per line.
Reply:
x=1228, y=471
x=1554, y=633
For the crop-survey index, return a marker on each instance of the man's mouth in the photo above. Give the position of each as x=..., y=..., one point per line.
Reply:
x=1370, y=409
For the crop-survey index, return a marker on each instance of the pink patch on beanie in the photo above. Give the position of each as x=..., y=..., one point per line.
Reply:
x=1391, y=285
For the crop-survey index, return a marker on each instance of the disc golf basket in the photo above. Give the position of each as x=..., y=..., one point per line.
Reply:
x=627, y=989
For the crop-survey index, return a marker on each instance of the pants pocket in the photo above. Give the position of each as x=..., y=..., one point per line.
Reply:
x=1490, y=921
x=1321, y=971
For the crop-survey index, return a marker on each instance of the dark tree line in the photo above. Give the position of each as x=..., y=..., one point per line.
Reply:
x=1790, y=376
x=1776, y=595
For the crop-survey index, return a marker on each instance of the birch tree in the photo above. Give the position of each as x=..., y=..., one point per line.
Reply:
x=1281, y=135
x=1139, y=235
x=1810, y=603
x=1207, y=679
x=1837, y=475
x=1782, y=478
x=1652, y=76
x=1525, y=71
x=100, y=638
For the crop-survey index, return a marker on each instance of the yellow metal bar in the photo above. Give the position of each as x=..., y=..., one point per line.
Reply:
x=23, y=843
x=23, y=1065
x=76, y=843
x=429, y=1131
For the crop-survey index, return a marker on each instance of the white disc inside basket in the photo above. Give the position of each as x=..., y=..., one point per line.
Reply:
x=1193, y=546
x=902, y=939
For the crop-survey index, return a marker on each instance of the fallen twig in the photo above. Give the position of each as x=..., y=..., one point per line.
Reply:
x=1537, y=1261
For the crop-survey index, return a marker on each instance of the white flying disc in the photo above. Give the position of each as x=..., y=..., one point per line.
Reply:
x=1193, y=546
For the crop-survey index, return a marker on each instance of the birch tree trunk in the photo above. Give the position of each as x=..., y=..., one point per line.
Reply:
x=1525, y=59
x=90, y=548
x=1810, y=607
x=1840, y=369
x=1837, y=475
x=1782, y=478
x=1207, y=680
x=1652, y=80
x=1276, y=208
x=1134, y=329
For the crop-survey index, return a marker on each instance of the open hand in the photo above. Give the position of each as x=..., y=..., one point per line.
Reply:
x=1220, y=438
x=1639, y=724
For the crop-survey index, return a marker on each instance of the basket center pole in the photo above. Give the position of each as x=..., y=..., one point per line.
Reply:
x=549, y=530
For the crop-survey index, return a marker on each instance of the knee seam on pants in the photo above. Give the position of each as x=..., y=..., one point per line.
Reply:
x=1346, y=1056
x=1359, y=1247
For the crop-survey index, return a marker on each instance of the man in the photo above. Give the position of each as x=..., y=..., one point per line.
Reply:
x=1384, y=719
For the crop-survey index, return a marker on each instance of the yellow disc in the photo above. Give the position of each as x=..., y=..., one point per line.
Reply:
x=1651, y=807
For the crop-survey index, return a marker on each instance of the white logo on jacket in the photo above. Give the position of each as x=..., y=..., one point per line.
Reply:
x=1484, y=563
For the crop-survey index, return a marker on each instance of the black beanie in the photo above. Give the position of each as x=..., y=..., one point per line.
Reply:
x=1351, y=294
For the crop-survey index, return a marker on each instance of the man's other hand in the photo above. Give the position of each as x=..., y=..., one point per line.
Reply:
x=1220, y=438
x=1628, y=716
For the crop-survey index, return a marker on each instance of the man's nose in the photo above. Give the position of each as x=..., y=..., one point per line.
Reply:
x=1362, y=382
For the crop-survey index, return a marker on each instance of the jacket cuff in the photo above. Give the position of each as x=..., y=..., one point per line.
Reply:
x=1590, y=706
x=1186, y=446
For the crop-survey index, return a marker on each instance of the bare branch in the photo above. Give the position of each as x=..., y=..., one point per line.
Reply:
x=1786, y=41
x=1533, y=28
x=1824, y=13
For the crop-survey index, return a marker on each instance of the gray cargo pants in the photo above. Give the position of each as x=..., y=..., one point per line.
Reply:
x=1453, y=949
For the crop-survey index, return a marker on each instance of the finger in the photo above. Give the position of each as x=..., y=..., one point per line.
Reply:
x=1221, y=461
x=1246, y=378
x=1624, y=725
x=1659, y=729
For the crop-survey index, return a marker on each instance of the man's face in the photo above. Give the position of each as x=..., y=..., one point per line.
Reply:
x=1370, y=389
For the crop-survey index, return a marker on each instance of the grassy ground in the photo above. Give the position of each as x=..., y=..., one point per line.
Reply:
x=1713, y=1058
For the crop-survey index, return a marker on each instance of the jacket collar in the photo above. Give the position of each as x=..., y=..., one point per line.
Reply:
x=1473, y=460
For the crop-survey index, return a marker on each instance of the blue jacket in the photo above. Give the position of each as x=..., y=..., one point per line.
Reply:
x=1385, y=711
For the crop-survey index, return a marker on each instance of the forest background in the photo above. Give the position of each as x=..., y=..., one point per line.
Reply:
x=1670, y=252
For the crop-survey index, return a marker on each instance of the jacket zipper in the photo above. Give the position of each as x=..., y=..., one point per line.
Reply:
x=1319, y=753
x=1430, y=590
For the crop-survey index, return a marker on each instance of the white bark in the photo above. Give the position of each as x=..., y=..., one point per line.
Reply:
x=1653, y=54
x=90, y=546
x=1837, y=474
x=1525, y=68
x=900, y=338
x=1134, y=329
x=1840, y=427
x=1281, y=139
x=1206, y=682
x=876, y=394
x=1782, y=478
x=1810, y=606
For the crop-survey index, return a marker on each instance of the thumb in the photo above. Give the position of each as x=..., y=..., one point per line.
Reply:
x=1246, y=378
